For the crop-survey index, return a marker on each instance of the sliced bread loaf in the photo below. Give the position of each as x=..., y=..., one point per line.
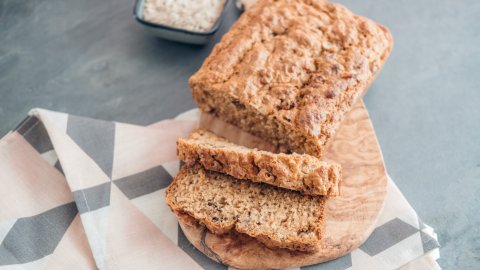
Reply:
x=277, y=217
x=300, y=172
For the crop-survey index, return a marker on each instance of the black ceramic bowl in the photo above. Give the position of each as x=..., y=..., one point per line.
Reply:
x=176, y=34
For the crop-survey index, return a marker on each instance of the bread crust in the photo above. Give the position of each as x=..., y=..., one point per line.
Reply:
x=289, y=70
x=300, y=172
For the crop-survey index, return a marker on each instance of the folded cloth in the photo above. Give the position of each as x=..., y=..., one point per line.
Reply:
x=80, y=193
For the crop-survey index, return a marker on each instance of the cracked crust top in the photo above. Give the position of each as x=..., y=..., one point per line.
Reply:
x=302, y=63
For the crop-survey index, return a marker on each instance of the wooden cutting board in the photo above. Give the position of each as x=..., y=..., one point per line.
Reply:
x=349, y=219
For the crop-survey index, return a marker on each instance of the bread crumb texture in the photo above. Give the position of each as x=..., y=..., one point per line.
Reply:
x=277, y=217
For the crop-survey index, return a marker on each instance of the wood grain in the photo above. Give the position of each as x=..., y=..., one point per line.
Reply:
x=349, y=219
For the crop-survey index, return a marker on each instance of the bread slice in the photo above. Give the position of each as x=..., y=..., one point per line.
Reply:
x=277, y=217
x=303, y=173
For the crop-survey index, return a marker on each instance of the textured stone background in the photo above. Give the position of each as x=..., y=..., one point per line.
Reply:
x=91, y=58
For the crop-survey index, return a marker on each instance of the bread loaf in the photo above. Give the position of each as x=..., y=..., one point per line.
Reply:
x=289, y=70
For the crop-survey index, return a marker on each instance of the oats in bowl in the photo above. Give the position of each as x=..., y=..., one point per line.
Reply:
x=192, y=15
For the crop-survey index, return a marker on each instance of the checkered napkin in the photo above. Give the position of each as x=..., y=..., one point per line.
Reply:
x=80, y=193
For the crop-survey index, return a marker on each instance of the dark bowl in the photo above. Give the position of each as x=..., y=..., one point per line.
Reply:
x=176, y=34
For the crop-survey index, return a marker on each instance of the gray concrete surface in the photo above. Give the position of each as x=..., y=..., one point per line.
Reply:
x=91, y=58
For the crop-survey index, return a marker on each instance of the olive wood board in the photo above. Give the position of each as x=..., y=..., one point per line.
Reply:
x=349, y=218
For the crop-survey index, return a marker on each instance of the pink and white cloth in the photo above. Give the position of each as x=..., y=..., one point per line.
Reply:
x=80, y=193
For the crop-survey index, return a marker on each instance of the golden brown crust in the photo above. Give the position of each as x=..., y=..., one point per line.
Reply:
x=303, y=173
x=289, y=71
x=276, y=217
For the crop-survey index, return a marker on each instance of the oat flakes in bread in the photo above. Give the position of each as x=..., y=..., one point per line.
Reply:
x=278, y=218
